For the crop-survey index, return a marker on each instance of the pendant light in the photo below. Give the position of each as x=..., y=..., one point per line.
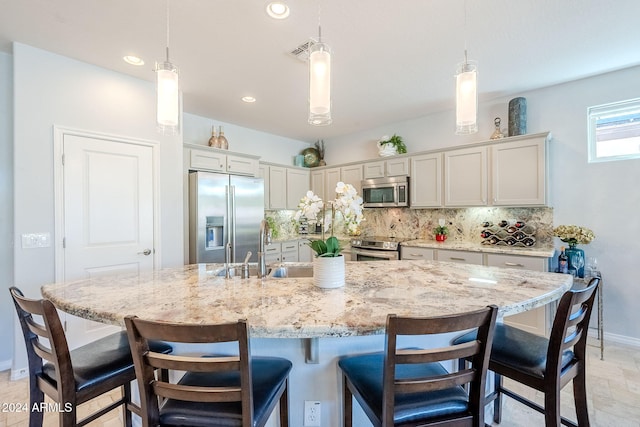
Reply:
x=466, y=91
x=168, y=93
x=319, y=81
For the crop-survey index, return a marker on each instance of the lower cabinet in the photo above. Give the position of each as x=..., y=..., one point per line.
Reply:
x=305, y=253
x=273, y=252
x=535, y=321
x=288, y=251
x=408, y=252
x=462, y=257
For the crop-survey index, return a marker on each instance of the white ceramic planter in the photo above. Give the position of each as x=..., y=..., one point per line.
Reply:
x=328, y=272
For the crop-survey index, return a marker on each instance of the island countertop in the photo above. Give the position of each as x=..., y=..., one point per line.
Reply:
x=295, y=308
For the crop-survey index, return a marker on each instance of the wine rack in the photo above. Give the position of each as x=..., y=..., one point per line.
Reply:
x=508, y=233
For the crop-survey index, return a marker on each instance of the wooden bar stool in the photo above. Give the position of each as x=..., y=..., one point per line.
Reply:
x=410, y=387
x=74, y=377
x=217, y=389
x=546, y=365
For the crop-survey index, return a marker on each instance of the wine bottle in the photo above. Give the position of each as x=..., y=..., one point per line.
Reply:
x=563, y=261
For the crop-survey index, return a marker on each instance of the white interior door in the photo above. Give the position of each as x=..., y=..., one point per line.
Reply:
x=108, y=215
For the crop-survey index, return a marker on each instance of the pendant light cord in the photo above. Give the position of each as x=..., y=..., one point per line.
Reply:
x=319, y=26
x=167, y=21
x=464, y=31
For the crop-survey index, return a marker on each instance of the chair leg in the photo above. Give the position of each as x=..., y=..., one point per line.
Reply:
x=126, y=412
x=284, y=406
x=36, y=397
x=552, y=407
x=580, y=397
x=347, y=404
x=497, y=403
x=68, y=419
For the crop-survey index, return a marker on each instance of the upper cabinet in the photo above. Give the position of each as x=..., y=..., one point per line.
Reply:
x=519, y=172
x=352, y=174
x=465, y=177
x=221, y=161
x=283, y=186
x=277, y=187
x=425, y=186
x=390, y=167
x=297, y=186
x=324, y=181
x=263, y=172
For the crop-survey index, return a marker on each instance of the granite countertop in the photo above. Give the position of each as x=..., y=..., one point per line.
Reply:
x=544, y=252
x=295, y=308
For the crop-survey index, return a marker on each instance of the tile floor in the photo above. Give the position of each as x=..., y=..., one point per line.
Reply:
x=614, y=395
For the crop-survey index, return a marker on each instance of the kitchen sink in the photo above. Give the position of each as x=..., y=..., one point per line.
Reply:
x=283, y=271
x=236, y=270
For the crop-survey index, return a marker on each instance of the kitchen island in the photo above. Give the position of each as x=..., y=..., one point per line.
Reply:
x=281, y=311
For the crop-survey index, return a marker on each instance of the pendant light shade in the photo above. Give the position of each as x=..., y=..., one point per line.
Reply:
x=319, y=84
x=466, y=98
x=168, y=103
x=168, y=98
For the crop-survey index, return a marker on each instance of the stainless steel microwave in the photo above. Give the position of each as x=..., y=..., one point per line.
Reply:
x=392, y=192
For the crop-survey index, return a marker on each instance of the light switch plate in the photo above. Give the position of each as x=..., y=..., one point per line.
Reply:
x=36, y=240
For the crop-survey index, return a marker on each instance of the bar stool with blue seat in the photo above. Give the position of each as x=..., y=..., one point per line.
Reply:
x=546, y=365
x=73, y=377
x=411, y=387
x=221, y=388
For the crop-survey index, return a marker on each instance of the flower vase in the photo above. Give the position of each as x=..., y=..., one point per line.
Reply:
x=328, y=272
x=571, y=251
x=441, y=237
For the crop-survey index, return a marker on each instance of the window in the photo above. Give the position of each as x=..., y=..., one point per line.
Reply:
x=614, y=131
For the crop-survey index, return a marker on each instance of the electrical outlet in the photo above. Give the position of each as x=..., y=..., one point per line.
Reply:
x=312, y=410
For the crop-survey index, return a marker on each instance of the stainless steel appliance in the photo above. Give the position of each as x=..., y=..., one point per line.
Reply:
x=224, y=209
x=375, y=249
x=391, y=192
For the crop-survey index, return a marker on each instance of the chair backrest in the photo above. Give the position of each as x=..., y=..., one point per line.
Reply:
x=146, y=362
x=476, y=351
x=570, y=327
x=45, y=339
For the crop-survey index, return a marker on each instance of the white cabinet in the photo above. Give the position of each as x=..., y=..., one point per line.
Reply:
x=277, y=187
x=408, y=252
x=263, y=172
x=426, y=181
x=462, y=257
x=465, y=177
x=518, y=173
x=535, y=321
x=352, y=174
x=222, y=162
x=289, y=251
x=305, y=253
x=272, y=252
x=297, y=186
x=317, y=183
x=391, y=167
x=331, y=179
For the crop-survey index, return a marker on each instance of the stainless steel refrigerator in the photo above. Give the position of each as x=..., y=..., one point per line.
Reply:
x=224, y=209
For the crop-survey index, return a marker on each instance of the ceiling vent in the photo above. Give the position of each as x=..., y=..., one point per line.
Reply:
x=301, y=52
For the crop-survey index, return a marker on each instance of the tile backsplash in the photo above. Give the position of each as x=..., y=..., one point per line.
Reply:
x=465, y=224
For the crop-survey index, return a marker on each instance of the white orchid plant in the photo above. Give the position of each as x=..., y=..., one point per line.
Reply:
x=347, y=202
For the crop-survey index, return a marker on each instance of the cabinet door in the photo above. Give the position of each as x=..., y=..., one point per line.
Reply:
x=519, y=173
x=332, y=177
x=272, y=252
x=352, y=175
x=426, y=181
x=462, y=257
x=317, y=183
x=277, y=187
x=297, y=186
x=408, y=252
x=397, y=167
x=208, y=161
x=465, y=177
x=242, y=165
x=289, y=251
x=263, y=172
x=535, y=321
x=374, y=170
x=305, y=253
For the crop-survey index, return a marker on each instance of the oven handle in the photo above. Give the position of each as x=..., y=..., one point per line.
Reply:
x=390, y=255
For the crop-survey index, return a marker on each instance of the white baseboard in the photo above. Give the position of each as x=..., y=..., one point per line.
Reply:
x=5, y=364
x=18, y=374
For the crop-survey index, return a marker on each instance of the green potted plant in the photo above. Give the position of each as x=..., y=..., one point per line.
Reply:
x=328, y=265
x=390, y=146
x=441, y=232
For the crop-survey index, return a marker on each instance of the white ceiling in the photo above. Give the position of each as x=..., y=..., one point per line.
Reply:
x=392, y=59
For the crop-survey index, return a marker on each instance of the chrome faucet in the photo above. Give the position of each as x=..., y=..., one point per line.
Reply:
x=265, y=239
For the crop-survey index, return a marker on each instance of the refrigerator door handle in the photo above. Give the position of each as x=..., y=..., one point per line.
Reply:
x=232, y=205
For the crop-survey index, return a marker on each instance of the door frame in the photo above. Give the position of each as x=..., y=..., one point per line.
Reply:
x=58, y=178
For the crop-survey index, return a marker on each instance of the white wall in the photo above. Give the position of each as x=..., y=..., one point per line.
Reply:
x=271, y=148
x=602, y=196
x=50, y=90
x=6, y=208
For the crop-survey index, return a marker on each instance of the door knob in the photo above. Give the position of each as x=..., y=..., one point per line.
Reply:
x=146, y=252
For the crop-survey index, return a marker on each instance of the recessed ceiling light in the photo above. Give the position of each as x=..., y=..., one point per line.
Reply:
x=133, y=60
x=278, y=9
x=248, y=99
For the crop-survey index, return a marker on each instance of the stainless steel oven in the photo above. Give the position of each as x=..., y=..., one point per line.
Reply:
x=375, y=249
